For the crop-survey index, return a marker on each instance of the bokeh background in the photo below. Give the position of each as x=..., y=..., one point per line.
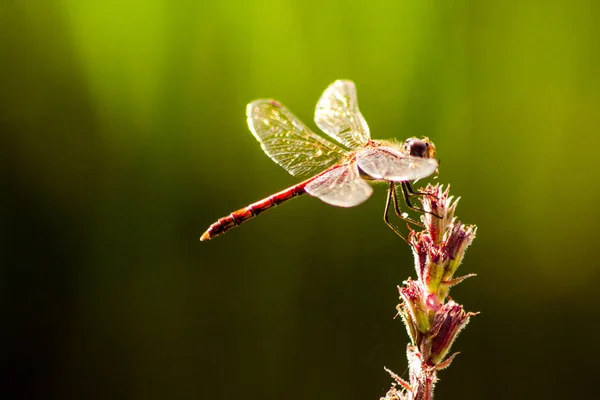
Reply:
x=123, y=137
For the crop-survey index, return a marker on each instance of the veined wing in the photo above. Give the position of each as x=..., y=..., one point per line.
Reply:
x=342, y=187
x=392, y=165
x=337, y=115
x=288, y=142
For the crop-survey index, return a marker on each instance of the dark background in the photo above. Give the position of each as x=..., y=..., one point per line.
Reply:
x=123, y=137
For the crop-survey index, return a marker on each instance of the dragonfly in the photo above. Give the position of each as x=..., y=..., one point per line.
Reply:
x=336, y=171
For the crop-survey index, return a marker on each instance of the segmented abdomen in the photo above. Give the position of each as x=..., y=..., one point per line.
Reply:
x=244, y=214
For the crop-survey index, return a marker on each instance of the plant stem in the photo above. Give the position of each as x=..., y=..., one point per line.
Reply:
x=432, y=319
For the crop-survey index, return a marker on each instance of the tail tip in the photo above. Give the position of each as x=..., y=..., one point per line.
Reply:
x=205, y=236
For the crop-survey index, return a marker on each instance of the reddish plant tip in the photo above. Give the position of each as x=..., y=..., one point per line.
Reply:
x=439, y=249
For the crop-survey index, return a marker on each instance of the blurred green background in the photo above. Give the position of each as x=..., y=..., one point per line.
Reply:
x=123, y=136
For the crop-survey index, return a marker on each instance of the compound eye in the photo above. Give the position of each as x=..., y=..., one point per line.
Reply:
x=418, y=148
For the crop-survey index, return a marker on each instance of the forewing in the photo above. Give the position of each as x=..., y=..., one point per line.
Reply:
x=288, y=142
x=342, y=187
x=392, y=165
x=337, y=114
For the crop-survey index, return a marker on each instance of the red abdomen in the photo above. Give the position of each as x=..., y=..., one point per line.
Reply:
x=244, y=214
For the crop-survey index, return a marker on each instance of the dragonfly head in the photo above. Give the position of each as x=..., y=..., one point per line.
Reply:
x=422, y=148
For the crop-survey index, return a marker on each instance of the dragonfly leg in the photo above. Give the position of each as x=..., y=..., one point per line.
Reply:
x=399, y=212
x=391, y=196
x=408, y=191
x=413, y=192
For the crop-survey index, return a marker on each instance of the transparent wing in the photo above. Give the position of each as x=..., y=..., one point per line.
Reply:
x=342, y=187
x=288, y=142
x=392, y=165
x=337, y=114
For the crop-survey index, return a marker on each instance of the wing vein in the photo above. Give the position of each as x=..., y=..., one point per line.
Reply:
x=288, y=142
